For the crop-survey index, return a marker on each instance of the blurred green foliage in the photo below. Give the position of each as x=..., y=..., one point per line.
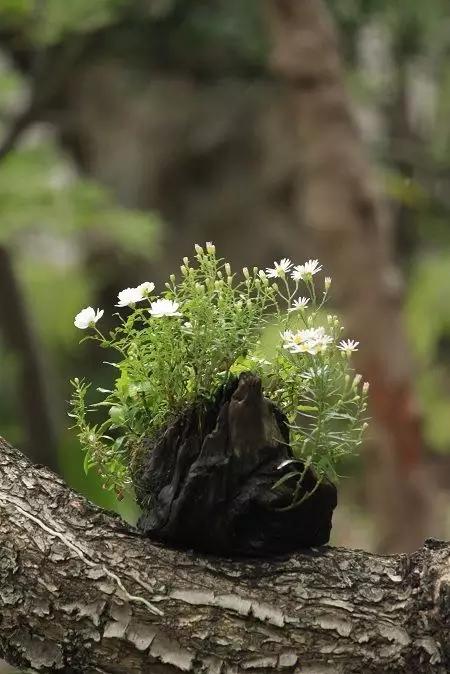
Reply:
x=50, y=220
x=50, y=21
x=48, y=215
x=428, y=317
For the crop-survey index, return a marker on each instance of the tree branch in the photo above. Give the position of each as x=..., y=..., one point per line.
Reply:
x=49, y=72
x=82, y=593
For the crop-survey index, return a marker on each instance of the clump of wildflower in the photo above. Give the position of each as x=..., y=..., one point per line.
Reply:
x=164, y=366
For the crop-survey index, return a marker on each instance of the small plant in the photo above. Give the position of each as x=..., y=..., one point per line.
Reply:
x=178, y=349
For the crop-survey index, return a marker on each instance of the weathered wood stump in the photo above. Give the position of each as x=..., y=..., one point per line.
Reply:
x=208, y=482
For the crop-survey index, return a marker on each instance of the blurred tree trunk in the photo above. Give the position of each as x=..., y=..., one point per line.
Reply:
x=339, y=203
x=18, y=334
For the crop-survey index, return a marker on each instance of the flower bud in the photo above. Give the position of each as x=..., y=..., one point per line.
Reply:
x=357, y=380
x=366, y=387
x=246, y=272
x=186, y=261
x=255, y=270
x=227, y=269
x=172, y=278
x=327, y=282
x=210, y=248
x=219, y=274
x=198, y=249
x=183, y=270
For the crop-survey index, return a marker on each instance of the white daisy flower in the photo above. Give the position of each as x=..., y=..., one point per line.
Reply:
x=348, y=346
x=323, y=342
x=312, y=340
x=306, y=271
x=287, y=335
x=302, y=347
x=164, y=307
x=312, y=347
x=87, y=318
x=130, y=296
x=146, y=288
x=299, y=304
x=280, y=268
x=310, y=334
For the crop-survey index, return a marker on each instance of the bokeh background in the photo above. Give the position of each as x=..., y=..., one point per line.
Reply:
x=132, y=129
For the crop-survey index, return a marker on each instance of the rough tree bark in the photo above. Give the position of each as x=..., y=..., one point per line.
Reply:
x=82, y=593
x=339, y=203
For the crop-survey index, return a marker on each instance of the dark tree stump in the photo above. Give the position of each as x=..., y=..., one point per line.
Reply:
x=207, y=483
